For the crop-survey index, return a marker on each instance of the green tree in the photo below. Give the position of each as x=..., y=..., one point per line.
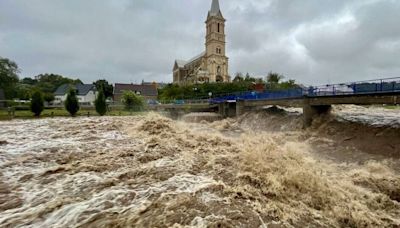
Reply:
x=8, y=76
x=248, y=78
x=37, y=103
x=23, y=91
x=290, y=84
x=273, y=80
x=100, y=103
x=49, y=97
x=107, y=88
x=71, y=103
x=132, y=102
x=49, y=83
x=29, y=81
x=238, y=77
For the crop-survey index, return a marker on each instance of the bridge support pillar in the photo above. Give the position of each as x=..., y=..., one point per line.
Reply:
x=227, y=109
x=241, y=108
x=312, y=111
x=222, y=110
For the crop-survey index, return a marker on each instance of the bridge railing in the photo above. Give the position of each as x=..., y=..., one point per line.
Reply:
x=181, y=102
x=265, y=95
x=386, y=85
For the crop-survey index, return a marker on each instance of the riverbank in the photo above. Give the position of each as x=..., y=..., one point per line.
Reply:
x=51, y=113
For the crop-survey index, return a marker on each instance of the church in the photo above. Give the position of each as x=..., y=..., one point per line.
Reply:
x=211, y=65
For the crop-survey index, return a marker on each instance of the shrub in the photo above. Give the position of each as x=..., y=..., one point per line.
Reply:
x=100, y=103
x=37, y=103
x=49, y=97
x=132, y=102
x=72, y=104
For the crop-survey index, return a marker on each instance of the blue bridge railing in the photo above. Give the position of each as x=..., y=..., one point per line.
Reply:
x=363, y=87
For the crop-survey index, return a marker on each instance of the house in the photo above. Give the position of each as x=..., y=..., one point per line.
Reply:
x=86, y=93
x=147, y=91
x=159, y=85
x=2, y=99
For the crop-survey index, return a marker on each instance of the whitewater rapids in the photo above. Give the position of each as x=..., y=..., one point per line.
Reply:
x=260, y=170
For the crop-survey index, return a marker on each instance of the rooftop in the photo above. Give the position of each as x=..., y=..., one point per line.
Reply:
x=82, y=89
x=145, y=90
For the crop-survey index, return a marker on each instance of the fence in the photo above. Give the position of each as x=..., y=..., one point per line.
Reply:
x=363, y=87
x=378, y=86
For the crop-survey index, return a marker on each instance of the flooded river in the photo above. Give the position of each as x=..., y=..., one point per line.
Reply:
x=260, y=170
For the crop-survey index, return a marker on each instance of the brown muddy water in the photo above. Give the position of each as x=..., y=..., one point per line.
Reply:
x=260, y=170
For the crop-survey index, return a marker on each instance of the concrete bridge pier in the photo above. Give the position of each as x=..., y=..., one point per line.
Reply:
x=241, y=108
x=227, y=109
x=312, y=111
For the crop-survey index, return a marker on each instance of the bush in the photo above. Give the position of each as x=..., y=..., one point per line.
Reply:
x=132, y=102
x=100, y=103
x=72, y=104
x=37, y=103
x=49, y=97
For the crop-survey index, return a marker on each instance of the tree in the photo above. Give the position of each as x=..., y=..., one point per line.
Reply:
x=37, y=103
x=107, y=88
x=28, y=81
x=49, y=83
x=132, y=101
x=8, y=76
x=71, y=103
x=290, y=84
x=22, y=91
x=49, y=97
x=100, y=103
x=238, y=77
x=273, y=80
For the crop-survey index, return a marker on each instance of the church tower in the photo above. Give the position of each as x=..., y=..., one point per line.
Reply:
x=217, y=62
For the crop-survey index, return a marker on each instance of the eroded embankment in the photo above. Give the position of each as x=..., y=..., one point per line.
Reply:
x=350, y=134
x=154, y=172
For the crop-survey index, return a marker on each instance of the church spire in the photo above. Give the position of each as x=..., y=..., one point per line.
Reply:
x=215, y=11
x=214, y=8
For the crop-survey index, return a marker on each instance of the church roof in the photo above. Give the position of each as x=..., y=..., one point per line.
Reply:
x=180, y=63
x=215, y=10
x=196, y=57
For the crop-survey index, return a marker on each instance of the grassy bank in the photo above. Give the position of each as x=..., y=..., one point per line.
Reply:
x=48, y=113
x=392, y=107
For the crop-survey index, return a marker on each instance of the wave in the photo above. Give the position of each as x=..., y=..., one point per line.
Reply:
x=151, y=171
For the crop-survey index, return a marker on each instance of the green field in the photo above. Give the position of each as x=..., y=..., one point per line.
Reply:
x=392, y=107
x=48, y=113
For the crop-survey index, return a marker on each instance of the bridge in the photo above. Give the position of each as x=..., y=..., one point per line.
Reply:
x=314, y=100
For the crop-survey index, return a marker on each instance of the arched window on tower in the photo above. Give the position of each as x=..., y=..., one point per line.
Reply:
x=218, y=27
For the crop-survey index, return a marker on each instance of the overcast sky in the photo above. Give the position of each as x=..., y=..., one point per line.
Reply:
x=311, y=41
